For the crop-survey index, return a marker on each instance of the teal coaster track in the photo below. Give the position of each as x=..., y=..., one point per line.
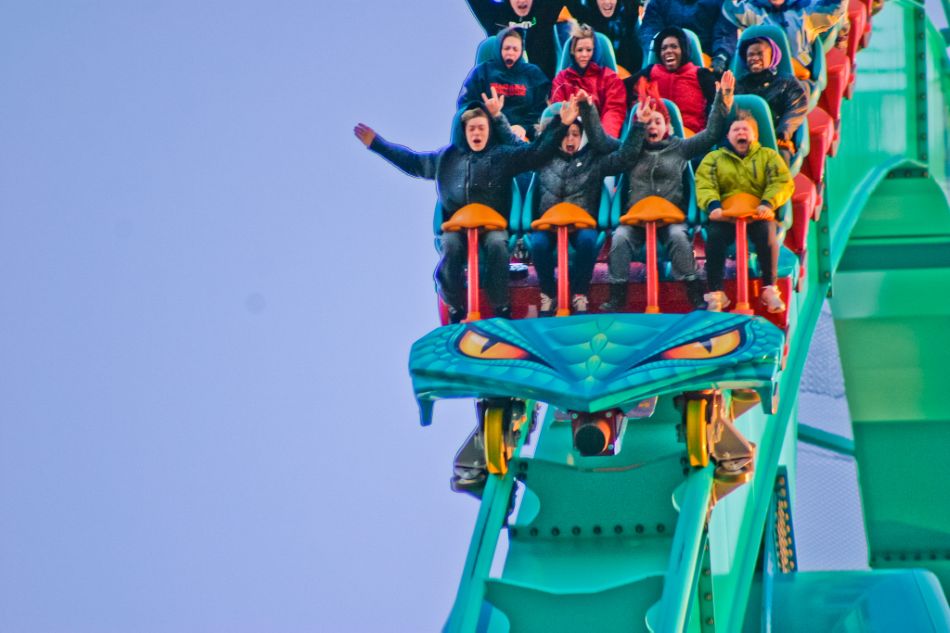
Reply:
x=682, y=522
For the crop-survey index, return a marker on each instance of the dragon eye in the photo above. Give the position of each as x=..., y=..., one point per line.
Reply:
x=703, y=349
x=478, y=345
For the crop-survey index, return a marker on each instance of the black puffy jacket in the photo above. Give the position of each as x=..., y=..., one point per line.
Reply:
x=578, y=178
x=786, y=98
x=463, y=176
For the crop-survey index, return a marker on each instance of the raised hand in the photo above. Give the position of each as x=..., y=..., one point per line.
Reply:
x=582, y=95
x=364, y=133
x=495, y=103
x=727, y=86
x=645, y=112
x=569, y=110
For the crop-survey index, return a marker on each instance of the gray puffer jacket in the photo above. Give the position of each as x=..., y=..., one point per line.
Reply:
x=658, y=170
x=578, y=178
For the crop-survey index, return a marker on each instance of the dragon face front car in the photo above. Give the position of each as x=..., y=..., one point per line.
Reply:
x=597, y=370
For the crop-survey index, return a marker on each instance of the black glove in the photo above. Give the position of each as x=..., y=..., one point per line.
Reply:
x=719, y=65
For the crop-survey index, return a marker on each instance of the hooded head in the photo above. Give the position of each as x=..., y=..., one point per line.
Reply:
x=583, y=46
x=472, y=129
x=575, y=140
x=671, y=48
x=510, y=46
x=743, y=132
x=760, y=54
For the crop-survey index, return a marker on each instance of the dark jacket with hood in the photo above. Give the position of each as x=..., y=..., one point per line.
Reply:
x=691, y=88
x=703, y=17
x=538, y=27
x=620, y=28
x=578, y=178
x=463, y=176
x=785, y=95
x=524, y=86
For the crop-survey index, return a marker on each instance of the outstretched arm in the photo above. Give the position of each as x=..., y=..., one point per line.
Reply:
x=417, y=164
x=716, y=125
x=599, y=140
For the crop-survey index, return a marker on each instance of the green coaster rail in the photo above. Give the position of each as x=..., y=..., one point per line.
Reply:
x=642, y=540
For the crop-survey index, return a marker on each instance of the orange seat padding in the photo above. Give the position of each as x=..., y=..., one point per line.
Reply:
x=653, y=209
x=564, y=214
x=475, y=216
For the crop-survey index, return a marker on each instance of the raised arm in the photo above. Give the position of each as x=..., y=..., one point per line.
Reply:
x=651, y=24
x=416, y=164
x=599, y=140
x=704, y=141
x=530, y=156
x=628, y=152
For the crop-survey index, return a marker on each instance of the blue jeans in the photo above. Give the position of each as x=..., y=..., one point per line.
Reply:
x=543, y=247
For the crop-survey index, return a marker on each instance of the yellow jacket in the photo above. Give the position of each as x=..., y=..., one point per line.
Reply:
x=761, y=172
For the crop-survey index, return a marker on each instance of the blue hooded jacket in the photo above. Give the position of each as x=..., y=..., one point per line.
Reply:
x=524, y=86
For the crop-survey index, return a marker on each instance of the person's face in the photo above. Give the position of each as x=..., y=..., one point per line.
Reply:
x=607, y=7
x=741, y=135
x=572, y=140
x=583, y=51
x=657, y=128
x=758, y=57
x=671, y=54
x=511, y=50
x=476, y=133
x=521, y=7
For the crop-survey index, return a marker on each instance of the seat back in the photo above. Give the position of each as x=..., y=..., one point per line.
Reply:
x=603, y=53
x=695, y=51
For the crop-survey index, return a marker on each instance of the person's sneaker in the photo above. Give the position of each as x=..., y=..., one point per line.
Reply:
x=503, y=312
x=547, y=305
x=579, y=303
x=716, y=301
x=771, y=297
x=695, y=289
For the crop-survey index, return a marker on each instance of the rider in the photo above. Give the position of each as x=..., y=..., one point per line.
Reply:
x=743, y=166
x=802, y=21
x=523, y=85
x=702, y=17
x=658, y=171
x=575, y=174
x=618, y=20
x=690, y=87
x=476, y=167
x=785, y=95
x=536, y=17
x=602, y=84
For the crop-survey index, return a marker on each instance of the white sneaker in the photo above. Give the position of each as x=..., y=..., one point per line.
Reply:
x=716, y=301
x=772, y=298
x=547, y=304
x=579, y=303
